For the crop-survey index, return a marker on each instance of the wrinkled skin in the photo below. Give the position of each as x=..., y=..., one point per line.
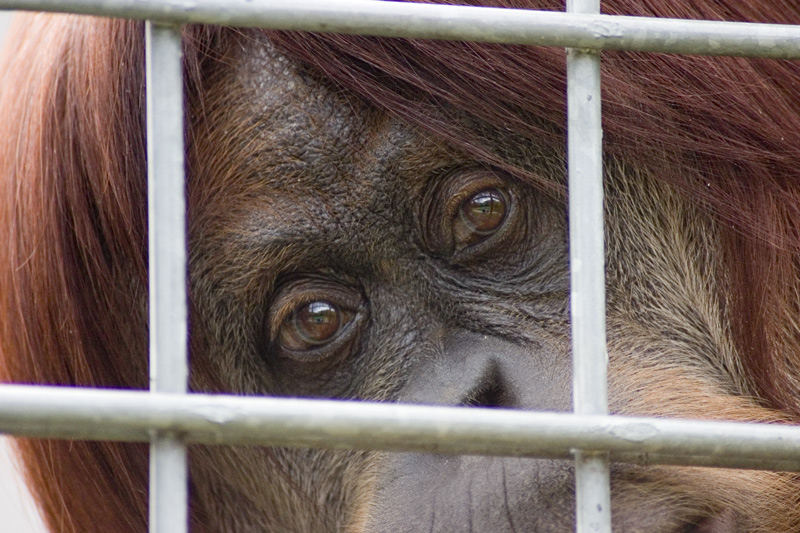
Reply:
x=331, y=257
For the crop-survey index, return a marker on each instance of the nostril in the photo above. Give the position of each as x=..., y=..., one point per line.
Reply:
x=491, y=396
x=489, y=392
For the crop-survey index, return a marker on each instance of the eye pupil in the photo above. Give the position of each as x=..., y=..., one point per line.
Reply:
x=485, y=211
x=317, y=322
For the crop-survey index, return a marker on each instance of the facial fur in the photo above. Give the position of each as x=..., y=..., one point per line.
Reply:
x=315, y=184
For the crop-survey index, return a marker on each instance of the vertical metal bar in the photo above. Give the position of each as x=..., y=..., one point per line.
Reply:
x=167, y=264
x=587, y=271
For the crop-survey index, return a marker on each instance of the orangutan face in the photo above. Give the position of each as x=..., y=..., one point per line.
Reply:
x=340, y=253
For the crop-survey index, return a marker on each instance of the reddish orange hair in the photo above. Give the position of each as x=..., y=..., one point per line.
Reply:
x=72, y=220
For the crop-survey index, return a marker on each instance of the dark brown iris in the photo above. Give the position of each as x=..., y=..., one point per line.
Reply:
x=485, y=211
x=311, y=325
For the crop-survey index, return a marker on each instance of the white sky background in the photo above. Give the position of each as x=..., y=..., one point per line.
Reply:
x=18, y=513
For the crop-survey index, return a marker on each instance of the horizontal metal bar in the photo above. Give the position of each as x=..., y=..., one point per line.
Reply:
x=427, y=21
x=102, y=414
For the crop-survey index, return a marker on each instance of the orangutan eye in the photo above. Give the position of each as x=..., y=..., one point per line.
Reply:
x=312, y=325
x=468, y=213
x=313, y=319
x=480, y=215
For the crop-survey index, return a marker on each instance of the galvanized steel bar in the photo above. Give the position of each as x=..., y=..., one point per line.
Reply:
x=167, y=268
x=587, y=273
x=102, y=414
x=425, y=21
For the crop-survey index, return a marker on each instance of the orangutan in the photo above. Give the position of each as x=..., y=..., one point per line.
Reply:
x=385, y=219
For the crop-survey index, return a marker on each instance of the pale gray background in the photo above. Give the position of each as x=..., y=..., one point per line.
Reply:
x=18, y=513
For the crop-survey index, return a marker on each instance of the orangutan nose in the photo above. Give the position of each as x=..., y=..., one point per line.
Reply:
x=477, y=370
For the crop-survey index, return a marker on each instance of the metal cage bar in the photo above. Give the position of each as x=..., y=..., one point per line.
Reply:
x=465, y=23
x=103, y=414
x=167, y=268
x=587, y=273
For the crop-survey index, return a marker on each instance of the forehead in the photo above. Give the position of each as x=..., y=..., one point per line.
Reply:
x=289, y=172
x=271, y=126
